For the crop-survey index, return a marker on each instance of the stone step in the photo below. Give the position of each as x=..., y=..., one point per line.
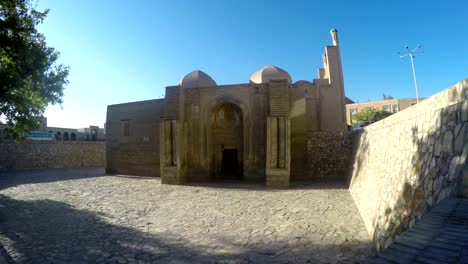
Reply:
x=440, y=237
x=377, y=260
x=401, y=255
x=451, y=247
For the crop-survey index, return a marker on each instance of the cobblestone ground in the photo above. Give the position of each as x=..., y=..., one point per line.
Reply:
x=84, y=216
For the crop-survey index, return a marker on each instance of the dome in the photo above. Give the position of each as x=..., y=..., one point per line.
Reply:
x=302, y=83
x=197, y=79
x=268, y=73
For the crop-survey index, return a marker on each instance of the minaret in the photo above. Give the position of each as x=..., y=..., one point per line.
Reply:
x=333, y=73
x=334, y=35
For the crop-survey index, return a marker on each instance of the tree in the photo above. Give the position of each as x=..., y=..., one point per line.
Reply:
x=30, y=76
x=387, y=97
x=369, y=114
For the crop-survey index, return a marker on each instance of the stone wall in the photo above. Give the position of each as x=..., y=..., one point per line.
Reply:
x=51, y=154
x=409, y=162
x=324, y=156
x=328, y=155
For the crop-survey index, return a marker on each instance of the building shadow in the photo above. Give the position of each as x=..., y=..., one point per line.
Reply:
x=260, y=185
x=11, y=178
x=133, y=177
x=47, y=231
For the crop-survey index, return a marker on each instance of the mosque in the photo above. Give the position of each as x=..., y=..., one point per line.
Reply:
x=202, y=131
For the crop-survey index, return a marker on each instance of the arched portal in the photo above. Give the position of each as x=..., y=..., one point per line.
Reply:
x=227, y=141
x=58, y=136
x=73, y=136
x=65, y=136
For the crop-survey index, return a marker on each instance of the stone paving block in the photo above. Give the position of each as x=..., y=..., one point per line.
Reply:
x=120, y=219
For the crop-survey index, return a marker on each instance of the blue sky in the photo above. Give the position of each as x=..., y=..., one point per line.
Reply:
x=122, y=51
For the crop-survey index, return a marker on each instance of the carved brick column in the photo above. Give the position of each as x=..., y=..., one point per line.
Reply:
x=169, y=139
x=278, y=153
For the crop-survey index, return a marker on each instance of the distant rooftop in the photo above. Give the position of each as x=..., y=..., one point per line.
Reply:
x=395, y=99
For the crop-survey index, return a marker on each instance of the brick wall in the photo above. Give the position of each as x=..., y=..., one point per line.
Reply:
x=411, y=161
x=138, y=152
x=51, y=154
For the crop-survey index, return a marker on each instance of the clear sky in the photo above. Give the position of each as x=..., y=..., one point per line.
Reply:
x=123, y=51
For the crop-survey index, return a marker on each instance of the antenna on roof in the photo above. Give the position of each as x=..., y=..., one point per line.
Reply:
x=411, y=54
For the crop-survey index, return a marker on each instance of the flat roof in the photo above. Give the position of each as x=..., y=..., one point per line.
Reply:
x=389, y=100
x=161, y=100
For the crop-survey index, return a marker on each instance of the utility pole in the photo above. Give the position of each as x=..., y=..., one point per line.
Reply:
x=411, y=54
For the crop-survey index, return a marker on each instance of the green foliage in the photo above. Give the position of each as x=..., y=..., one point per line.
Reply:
x=386, y=97
x=369, y=114
x=30, y=77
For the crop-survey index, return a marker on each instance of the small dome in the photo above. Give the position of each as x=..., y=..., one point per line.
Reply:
x=268, y=73
x=303, y=82
x=197, y=79
x=333, y=30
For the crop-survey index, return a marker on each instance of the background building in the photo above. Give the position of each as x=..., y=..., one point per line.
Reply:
x=391, y=106
x=91, y=133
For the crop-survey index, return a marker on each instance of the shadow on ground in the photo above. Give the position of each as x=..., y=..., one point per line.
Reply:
x=11, y=178
x=261, y=185
x=46, y=231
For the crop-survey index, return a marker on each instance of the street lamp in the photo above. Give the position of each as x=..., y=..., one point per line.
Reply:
x=411, y=54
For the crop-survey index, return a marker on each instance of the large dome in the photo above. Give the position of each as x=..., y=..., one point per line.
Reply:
x=268, y=73
x=197, y=79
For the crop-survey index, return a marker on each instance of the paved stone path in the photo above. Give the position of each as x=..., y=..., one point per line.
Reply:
x=84, y=216
x=440, y=237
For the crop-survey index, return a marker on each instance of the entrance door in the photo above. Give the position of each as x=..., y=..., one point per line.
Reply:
x=227, y=141
x=230, y=164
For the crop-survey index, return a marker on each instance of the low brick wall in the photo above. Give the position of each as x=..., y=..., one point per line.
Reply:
x=51, y=154
x=409, y=162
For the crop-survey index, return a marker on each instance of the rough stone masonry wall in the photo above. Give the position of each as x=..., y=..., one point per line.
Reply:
x=51, y=154
x=411, y=161
x=327, y=155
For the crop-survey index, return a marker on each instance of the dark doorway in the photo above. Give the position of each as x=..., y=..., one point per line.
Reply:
x=93, y=135
x=230, y=164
